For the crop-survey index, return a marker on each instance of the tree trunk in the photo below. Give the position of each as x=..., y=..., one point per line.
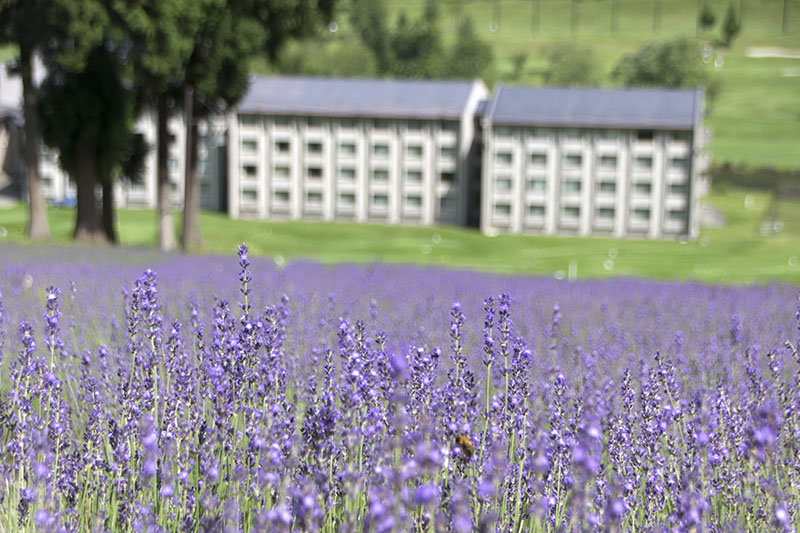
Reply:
x=108, y=211
x=191, y=236
x=166, y=228
x=38, y=227
x=87, y=223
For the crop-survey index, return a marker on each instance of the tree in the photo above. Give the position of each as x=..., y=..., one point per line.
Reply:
x=706, y=17
x=416, y=48
x=469, y=57
x=731, y=26
x=162, y=39
x=672, y=63
x=370, y=22
x=216, y=72
x=28, y=24
x=88, y=116
x=570, y=65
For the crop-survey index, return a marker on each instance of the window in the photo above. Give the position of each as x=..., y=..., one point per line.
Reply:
x=347, y=199
x=536, y=210
x=642, y=188
x=281, y=197
x=314, y=172
x=681, y=136
x=249, y=146
x=314, y=147
x=537, y=185
x=347, y=149
x=609, y=135
x=173, y=163
x=281, y=121
x=608, y=161
x=644, y=135
x=641, y=214
x=380, y=174
x=537, y=133
x=643, y=162
x=315, y=122
x=572, y=133
x=608, y=187
x=678, y=188
x=447, y=152
x=414, y=201
x=347, y=123
x=248, y=120
x=249, y=195
x=572, y=160
x=414, y=125
x=447, y=203
x=538, y=160
x=380, y=150
x=314, y=198
x=380, y=124
x=282, y=171
x=380, y=200
x=282, y=147
x=605, y=212
x=677, y=215
x=503, y=132
x=679, y=163
x=502, y=184
x=450, y=126
x=572, y=186
x=502, y=210
x=347, y=173
x=572, y=211
x=447, y=177
x=250, y=171
x=502, y=158
x=414, y=176
x=414, y=151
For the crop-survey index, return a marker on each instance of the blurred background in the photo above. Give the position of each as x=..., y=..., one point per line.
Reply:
x=80, y=76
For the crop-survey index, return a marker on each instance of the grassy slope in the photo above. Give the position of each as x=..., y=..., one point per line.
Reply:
x=735, y=253
x=756, y=121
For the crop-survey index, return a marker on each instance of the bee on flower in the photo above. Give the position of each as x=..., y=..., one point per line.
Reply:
x=464, y=443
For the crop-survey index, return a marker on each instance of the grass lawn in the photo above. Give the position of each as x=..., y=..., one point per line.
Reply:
x=735, y=253
x=756, y=119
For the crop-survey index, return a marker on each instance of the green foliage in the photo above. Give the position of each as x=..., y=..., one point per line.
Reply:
x=348, y=57
x=416, y=47
x=735, y=253
x=518, y=62
x=571, y=65
x=91, y=107
x=673, y=63
x=369, y=18
x=470, y=56
x=731, y=26
x=707, y=18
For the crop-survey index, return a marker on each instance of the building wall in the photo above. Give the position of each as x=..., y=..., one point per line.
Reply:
x=574, y=181
x=211, y=137
x=364, y=170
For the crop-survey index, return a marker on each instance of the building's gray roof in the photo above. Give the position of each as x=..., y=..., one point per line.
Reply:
x=346, y=97
x=580, y=107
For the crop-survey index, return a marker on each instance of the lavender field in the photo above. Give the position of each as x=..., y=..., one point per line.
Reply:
x=172, y=393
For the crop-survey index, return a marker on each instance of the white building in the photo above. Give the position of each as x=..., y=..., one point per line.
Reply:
x=211, y=155
x=608, y=162
x=614, y=162
x=385, y=151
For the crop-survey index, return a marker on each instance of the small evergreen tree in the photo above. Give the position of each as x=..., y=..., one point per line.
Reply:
x=706, y=18
x=570, y=65
x=731, y=26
